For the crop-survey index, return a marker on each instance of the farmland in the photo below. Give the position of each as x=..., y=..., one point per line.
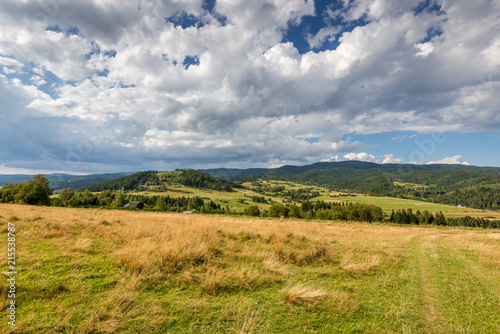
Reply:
x=94, y=270
x=386, y=203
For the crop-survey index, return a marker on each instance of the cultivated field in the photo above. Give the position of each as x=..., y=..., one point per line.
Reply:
x=389, y=203
x=232, y=199
x=98, y=271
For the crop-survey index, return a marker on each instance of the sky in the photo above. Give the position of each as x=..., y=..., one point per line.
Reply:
x=101, y=86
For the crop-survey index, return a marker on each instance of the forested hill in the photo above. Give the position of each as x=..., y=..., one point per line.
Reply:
x=59, y=180
x=231, y=173
x=155, y=179
x=471, y=186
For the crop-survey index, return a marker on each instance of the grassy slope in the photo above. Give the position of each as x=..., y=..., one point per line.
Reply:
x=84, y=270
x=386, y=203
x=220, y=197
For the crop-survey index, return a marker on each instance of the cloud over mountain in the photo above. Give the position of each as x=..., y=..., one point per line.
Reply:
x=117, y=85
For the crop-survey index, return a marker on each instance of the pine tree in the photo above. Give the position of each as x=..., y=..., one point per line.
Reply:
x=160, y=204
x=119, y=201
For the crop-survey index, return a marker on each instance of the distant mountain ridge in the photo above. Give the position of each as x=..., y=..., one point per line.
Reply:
x=290, y=170
x=60, y=180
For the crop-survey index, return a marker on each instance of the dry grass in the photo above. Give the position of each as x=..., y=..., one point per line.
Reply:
x=486, y=245
x=251, y=322
x=118, y=307
x=162, y=265
x=82, y=245
x=300, y=293
x=352, y=264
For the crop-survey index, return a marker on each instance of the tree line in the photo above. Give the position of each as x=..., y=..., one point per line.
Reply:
x=322, y=210
x=426, y=218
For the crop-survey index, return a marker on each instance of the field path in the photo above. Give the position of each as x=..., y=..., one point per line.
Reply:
x=455, y=291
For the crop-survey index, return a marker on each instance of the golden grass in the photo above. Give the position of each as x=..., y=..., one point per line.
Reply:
x=300, y=293
x=486, y=245
x=143, y=242
x=352, y=264
x=211, y=256
x=251, y=322
x=82, y=245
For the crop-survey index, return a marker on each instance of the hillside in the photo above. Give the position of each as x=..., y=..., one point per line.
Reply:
x=289, y=170
x=469, y=186
x=154, y=180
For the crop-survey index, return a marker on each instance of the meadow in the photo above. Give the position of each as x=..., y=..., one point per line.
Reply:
x=105, y=271
x=238, y=200
x=387, y=204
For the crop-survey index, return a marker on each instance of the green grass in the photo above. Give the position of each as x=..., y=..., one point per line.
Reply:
x=219, y=197
x=388, y=204
x=98, y=271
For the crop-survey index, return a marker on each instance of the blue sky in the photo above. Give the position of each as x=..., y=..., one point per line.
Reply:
x=108, y=86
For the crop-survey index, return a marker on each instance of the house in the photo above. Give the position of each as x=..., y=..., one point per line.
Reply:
x=134, y=205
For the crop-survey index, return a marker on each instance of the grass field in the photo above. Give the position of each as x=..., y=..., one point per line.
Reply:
x=388, y=204
x=98, y=271
x=220, y=197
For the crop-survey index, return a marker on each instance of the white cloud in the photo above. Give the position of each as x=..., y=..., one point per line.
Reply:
x=425, y=49
x=454, y=160
x=331, y=159
x=10, y=62
x=13, y=170
x=362, y=156
x=252, y=95
x=390, y=159
x=345, y=146
x=37, y=80
x=324, y=34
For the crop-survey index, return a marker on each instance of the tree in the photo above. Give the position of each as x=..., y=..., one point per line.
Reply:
x=294, y=211
x=160, y=204
x=9, y=191
x=253, y=210
x=440, y=219
x=35, y=192
x=66, y=195
x=119, y=201
x=278, y=210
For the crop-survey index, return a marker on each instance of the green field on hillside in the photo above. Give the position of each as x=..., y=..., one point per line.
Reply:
x=386, y=203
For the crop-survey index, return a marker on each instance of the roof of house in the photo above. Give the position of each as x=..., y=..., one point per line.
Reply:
x=133, y=204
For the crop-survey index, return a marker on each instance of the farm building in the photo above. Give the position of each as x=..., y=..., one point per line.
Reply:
x=134, y=205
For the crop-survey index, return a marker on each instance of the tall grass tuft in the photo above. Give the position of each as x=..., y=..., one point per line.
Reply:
x=300, y=293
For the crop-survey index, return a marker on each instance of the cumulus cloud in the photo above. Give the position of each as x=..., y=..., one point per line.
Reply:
x=324, y=34
x=177, y=84
x=454, y=160
x=363, y=156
